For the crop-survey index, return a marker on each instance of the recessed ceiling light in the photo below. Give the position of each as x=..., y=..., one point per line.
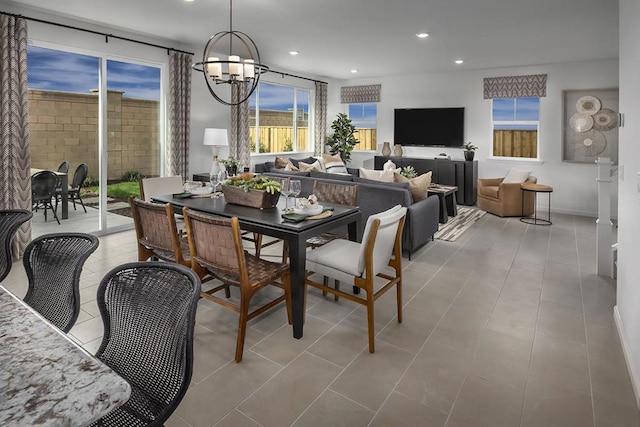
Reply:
x=293, y=52
x=189, y=1
x=459, y=61
x=354, y=71
x=422, y=35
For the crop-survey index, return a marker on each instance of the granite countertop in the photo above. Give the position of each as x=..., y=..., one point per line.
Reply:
x=47, y=379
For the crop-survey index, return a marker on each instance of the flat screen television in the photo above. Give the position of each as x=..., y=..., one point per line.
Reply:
x=440, y=127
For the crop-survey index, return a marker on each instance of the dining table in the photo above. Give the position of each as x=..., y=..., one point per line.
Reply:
x=64, y=187
x=47, y=379
x=270, y=222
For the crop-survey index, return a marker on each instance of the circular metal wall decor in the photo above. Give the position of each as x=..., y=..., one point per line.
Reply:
x=588, y=104
x=589, y=143
x=581, y=122
x=605, y=119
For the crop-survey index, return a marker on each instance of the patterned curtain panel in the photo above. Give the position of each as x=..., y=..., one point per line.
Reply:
x=15, y=162
x=239, y=139
x=320, y=118
x=357, y=94
x=533, y=86
x=179, y=113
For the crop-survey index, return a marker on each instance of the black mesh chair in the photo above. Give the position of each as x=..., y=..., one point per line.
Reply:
x=148, y=310
x=10, y=222
x=43, y=188
x=64, y=167
x=79, y=176
x=53, y=263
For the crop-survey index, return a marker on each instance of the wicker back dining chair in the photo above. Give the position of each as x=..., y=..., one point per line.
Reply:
x=53, y=263
x=216, y=247
x=43, y=188
x=10, y=222
x=362, y=263
x=148, y=311
x=64, y=167
x=157, y=233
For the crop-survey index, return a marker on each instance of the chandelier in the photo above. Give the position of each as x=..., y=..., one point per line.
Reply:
x=242, y=65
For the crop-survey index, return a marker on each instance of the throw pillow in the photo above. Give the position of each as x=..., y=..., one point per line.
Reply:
x=516, y=176
x=418, y=185
x=281, y=162
x=308, y=160
x=290, y=167
x=334, y=164
x=382, y=176
x=304, y=167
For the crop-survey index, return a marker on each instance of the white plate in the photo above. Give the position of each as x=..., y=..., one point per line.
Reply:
x=313, y=210
x=202, y=190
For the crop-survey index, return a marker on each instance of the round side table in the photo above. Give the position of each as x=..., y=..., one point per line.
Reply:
x=535, y=189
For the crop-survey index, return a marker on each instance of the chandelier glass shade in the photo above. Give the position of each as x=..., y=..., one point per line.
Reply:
x=241, y=65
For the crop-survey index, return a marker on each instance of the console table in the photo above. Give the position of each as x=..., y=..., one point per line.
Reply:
x=458, y=173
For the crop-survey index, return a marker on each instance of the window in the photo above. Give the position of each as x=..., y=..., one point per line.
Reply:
x=279, y=119
x=515, y=127
x=363, y=116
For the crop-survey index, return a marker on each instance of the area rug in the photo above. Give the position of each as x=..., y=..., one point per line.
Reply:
x=458, y=224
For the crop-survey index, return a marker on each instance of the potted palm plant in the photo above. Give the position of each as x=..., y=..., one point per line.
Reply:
x=469, y=151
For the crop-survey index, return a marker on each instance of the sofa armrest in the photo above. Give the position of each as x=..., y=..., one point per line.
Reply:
x=421, y=223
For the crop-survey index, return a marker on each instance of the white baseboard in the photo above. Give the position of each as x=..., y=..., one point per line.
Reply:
x=635, y=379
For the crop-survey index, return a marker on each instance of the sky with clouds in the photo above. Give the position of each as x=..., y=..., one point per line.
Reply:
x=50, y=69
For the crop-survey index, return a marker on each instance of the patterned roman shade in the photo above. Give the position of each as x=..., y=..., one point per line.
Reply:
x=357, y=94
x=515, y=86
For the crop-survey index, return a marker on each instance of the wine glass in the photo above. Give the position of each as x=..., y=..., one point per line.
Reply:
x=285, y=190
x=213, y=179
x=294, y=189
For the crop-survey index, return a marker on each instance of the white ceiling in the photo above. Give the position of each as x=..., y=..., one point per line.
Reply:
x=377, y=37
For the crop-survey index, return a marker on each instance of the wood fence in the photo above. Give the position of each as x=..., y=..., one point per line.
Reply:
x=275, y=139
x=515, y=143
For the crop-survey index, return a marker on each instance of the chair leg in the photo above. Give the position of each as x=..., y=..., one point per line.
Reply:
x=399, y=300
x=336, y=297
x=287, y=285
x=325, y=281
x=257, y=242
x=370, y=325
x=242, y=327
x=55, y=215
x=81, y=202
x=227, y=292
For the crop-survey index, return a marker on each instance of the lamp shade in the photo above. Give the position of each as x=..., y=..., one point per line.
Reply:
x=215, y=137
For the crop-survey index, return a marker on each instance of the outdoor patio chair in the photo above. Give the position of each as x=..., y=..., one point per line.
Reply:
x=79, y=176
x=43, y=188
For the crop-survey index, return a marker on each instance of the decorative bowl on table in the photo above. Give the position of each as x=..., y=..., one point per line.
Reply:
x=201, y=191
x=308, y=206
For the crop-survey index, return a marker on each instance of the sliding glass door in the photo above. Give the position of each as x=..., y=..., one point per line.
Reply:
x=85, y=109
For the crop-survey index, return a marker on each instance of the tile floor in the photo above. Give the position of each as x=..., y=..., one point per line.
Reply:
x=508, y=326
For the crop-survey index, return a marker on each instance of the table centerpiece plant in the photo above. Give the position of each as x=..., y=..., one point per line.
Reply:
x=251, y=190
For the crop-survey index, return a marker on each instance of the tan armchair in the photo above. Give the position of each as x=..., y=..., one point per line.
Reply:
x=505, y=199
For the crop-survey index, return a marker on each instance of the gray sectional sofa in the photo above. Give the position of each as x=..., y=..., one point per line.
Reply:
x=373, y=197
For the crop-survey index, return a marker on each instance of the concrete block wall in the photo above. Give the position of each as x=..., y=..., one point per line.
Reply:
x=64, y=126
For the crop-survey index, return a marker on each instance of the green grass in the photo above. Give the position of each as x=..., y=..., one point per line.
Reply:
x=121, y=190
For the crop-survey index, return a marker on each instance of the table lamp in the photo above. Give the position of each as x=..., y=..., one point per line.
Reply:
x=215, y=138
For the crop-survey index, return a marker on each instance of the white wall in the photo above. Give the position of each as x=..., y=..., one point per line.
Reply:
x=574, y=184
x=628, y=295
